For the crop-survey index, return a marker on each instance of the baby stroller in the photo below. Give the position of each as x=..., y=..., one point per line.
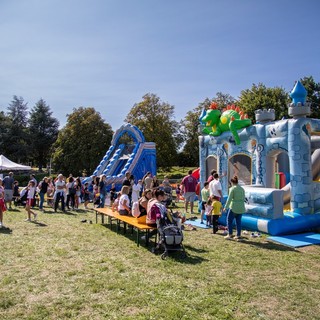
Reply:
x=22, y=200
x=170, y=234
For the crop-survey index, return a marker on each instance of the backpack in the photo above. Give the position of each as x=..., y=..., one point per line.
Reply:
x=135, y=209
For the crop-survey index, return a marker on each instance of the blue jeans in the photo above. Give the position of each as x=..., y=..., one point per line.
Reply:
x=41, y=195
x=230, y=217
x=102, y=200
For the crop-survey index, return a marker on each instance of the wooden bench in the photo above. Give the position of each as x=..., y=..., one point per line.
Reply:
x=126, y=220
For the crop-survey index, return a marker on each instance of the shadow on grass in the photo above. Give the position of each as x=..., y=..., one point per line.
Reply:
x=267, y=245
x=198, y=250
x=5, y=230
x=39, y=224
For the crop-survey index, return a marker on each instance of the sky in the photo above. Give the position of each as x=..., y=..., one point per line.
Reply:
x=108, y=54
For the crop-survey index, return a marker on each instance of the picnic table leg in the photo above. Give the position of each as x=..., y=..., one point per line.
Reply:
x=147, y=237
x=138, y=238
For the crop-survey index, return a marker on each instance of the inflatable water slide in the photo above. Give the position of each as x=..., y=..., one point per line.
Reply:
x=128, y=152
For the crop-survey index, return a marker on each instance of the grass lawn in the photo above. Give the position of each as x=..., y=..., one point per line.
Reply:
x=61, y=268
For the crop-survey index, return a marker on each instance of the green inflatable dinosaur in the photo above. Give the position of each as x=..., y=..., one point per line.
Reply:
x=231, y=119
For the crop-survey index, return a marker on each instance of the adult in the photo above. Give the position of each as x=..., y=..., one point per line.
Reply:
x=143, y=202
x=128, y=181
x=155, y=182
x=136, y=188
x=212, y=172
x=215, y=188
x=188, y=186
x=60, y=186
x=147, y=180
x=78, y=186
x=8, y=185
x=235, y=204
x=43, y=189
x=124, y=202
x=33, y=178
x=155, y=207
x=71, y=193
x=102, y=190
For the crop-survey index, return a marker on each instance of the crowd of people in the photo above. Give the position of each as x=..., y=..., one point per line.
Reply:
x=143, y=198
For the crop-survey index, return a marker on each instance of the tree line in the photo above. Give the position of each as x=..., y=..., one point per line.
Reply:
x=34, y=136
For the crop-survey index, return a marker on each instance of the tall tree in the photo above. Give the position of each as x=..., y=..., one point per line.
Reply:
x=313, y=96
x=4, y=127
x=17, y=143
x=261, y=97
x=156, y=120
x=44, y=130
x=82, y=143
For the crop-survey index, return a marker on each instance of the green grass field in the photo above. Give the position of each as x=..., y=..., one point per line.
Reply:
x=60, y=268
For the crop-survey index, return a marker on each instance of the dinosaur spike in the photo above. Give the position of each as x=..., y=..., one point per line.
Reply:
x=237, y=109
x=242, y=117
x=228, y=107
x=246, y=116
x=213, y=106
x=232, y=118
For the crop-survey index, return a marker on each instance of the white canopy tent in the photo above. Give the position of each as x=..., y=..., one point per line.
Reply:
x=6, y=164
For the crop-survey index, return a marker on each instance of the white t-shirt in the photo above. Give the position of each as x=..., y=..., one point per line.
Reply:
x=121, y=202
x=31, y=192
x=60, y=184
x=136, y=188
x=214, y=187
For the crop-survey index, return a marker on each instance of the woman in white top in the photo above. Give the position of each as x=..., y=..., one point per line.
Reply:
x=124, y=202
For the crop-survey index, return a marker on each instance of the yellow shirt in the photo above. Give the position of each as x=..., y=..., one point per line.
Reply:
x=216, y=207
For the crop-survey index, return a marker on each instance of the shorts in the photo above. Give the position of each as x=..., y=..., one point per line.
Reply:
x=203, y=203
x=189, y=196
x=8, y=194
x=30, y=202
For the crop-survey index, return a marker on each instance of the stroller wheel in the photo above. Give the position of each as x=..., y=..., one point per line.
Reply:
x=164, y=255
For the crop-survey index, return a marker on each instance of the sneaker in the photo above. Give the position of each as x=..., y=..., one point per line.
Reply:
x=225, y=232
x=228, y=237
x=27, y=220
x=35, y=216
x=238, y=238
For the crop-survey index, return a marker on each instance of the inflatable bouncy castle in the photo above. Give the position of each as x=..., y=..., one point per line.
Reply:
x=277, y=163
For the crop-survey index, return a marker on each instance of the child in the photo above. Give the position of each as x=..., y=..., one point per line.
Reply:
x=208, y=211
x=86, y=196
x=178, y=193
x=16, y=194
x=216, y=213
x=2, y=204
x=31, y=188
x=205, y=194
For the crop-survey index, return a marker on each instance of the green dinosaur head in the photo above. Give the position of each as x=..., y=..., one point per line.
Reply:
x=211, y=118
